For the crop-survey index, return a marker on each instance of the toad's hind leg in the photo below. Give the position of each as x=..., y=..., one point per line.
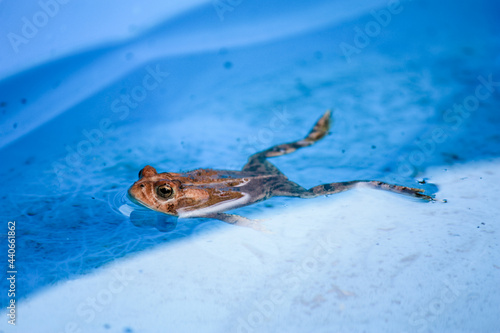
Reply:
x=258, y=163
x=344, y=186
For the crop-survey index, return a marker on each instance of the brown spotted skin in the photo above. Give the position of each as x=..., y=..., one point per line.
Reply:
x=209, y=193
x=198, y=190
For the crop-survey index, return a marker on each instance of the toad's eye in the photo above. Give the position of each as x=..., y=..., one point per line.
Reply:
x=164, y=191
x=140, y=173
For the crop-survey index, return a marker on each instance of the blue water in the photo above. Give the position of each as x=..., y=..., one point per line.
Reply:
x=89, y=100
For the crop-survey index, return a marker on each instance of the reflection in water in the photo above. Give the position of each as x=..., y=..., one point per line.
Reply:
x=140, y=216
x=147, y=218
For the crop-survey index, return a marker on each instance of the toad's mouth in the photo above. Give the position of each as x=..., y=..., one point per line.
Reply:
x=137, y=201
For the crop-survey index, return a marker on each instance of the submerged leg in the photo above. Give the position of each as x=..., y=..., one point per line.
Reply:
x=257, y=162
x=237, y=220
x=344, y=186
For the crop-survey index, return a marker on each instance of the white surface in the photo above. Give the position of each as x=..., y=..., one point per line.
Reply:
x=360, y=261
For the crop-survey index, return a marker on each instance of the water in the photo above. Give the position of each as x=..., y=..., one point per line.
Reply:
x=82, y=113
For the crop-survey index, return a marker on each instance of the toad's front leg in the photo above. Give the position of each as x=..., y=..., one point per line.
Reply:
x=237, y=220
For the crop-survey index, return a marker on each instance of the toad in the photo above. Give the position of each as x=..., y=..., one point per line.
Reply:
x=208, y=193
